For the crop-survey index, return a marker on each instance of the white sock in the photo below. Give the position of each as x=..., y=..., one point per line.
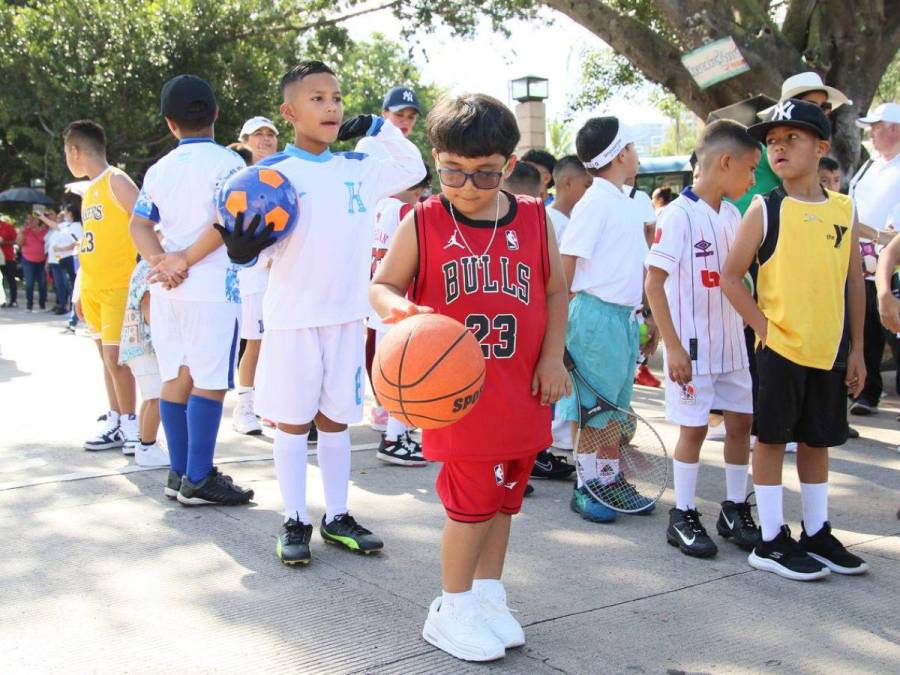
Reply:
x=607, y=470
x=814, y=497
x=394, y=429
x=490, y=588
x=245, y=397
x=458, y=601
x=112, y=419
x=770, y=508
x=736, y=482
x=684, y=477
x=334, y=463
x=588, y=463
x=290, y=452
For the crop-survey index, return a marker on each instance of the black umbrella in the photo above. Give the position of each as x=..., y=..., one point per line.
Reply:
x=24, y=195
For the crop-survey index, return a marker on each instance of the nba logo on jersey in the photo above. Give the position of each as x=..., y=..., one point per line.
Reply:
x=498, y=474
x=688, y=394
x=512, y=240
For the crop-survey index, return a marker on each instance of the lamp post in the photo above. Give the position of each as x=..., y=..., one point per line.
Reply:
x=530, y=92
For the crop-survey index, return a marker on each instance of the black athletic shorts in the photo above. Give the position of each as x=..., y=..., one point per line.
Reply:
x=798, y=403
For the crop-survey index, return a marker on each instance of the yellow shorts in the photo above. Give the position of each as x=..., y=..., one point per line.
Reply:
x=104, y=312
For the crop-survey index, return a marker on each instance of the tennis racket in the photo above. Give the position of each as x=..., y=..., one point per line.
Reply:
x=607, y=432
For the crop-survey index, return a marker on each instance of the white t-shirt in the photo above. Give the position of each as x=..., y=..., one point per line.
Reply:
x=642, y=199
x=876, y=190
x=606, y=234
x=691, y=244
x=560, y=220
x=320, y=272
x=179, y=193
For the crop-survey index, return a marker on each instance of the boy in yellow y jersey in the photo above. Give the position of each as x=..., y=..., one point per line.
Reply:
x=809, y=323
x=107, y=256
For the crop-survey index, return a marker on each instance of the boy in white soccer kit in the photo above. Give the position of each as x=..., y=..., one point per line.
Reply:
x=193, y=292
x=704, y=348
x=312, y=362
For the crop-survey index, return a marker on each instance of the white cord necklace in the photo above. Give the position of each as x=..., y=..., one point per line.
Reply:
x=478, y=259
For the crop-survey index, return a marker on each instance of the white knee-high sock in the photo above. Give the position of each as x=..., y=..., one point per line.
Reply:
x=394, y=428
x=588, y=463
x=684, y=478
x=770, y=507
x=814, y=497
x=736, y=482
x=290, y=452
x=334, y=463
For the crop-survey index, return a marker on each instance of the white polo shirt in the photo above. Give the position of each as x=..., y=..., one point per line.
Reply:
x=606, y=234
x=645, y=204
x=560, y=220
x=876, y=190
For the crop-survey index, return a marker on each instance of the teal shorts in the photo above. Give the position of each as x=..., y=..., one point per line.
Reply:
x=603, y=340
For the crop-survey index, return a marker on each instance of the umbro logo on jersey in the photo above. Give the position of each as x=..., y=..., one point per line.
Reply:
x=704, y=249
x=512, y=240
x=838, y=236
x=783, y=111
x=453, y=242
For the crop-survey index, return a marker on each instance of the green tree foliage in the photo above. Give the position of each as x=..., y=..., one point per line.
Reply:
x=560, y=138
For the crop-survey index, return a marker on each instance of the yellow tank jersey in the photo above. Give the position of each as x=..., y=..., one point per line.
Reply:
x=802, y=281
x=107, y=254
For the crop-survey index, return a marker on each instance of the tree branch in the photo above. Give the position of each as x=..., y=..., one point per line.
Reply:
x=321, y=23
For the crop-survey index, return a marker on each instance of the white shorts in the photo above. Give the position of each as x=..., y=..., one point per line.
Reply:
x=252, y=316
x=689, y=406
x=145, y=369
x=200, y=335
x=303, y=371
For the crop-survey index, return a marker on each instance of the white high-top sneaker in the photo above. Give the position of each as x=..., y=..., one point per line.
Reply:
x=132, y=433
x=243, y=420
x=109, y=436
x=462, y=632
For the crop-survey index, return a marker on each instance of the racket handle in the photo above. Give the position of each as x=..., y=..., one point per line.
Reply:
x=568, y=361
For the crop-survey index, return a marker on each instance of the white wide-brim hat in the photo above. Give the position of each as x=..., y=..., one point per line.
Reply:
x=802, y=83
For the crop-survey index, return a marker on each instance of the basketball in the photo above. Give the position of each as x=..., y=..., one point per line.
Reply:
x=428, y=371
x=259, y=190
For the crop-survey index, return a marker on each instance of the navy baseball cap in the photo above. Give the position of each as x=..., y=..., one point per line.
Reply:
x=399, y=98
x=187, y=97
x=793, y=113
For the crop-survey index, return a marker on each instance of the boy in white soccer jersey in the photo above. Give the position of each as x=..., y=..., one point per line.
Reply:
x=193, y=292
x=703, y=336
x=311, y=365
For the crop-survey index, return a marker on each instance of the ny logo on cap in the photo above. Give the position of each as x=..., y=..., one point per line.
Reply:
x=408, y=96
x=783, y=110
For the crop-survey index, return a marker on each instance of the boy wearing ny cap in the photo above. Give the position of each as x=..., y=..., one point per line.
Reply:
x=809, y=326
x=603, y=251
x=193, y=291
x=401, y=108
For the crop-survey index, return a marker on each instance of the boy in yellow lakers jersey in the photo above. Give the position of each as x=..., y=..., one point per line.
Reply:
x=809, y=323
x=107, y=257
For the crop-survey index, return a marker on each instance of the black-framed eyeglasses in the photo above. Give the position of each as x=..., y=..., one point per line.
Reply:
x=483, y=180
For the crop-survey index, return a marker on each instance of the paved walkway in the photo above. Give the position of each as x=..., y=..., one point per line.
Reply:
x=99, y=573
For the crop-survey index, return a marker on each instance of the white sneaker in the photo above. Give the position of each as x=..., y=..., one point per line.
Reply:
x=109, y=436
x=463, y=634
x=499, y=618
x=131, y=432
x=790, y=447
x=243, y=421
x=150, y=455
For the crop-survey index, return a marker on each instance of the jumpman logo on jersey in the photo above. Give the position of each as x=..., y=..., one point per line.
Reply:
x=453, y=242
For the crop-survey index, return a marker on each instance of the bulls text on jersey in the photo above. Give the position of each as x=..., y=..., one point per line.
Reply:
x=464, y=276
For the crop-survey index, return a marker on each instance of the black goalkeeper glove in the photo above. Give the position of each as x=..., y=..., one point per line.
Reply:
x=356, y=127
x=244, y=246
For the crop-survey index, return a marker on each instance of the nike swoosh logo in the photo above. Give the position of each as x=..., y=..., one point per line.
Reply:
x=730, y=523
x=686, y=541
x=545, y=467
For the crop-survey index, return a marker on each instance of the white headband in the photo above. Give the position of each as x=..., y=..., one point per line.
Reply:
x=618, y=144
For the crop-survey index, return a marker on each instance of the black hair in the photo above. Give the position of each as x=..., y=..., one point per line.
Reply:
x=829, y=164
x=524, y=179
x=725, y=136
x=86, y=133
x=542, y=158
x=693, y=161
x=245, y=152
x=567, y=163
x=472, y=125
x=594, y=137
x=301, y=70
x=426, y=181
x=195, y=124
x=73, y=211
x=665, y=194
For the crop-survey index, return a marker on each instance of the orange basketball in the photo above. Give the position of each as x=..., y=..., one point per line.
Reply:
x=428, y=371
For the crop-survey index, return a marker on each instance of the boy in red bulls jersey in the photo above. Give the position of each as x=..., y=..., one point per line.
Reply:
x=490, y=260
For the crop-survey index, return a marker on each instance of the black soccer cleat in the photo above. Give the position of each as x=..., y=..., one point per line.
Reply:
x=292, y=547
x=216, y=488
x=786, y=558
x=687, y=533
x=551, y=467
x=736, y=523
x=344, y=530
x=825, y=548
x=173, y=485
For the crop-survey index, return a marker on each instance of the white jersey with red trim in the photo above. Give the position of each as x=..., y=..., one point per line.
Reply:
x=388, y=214
x=692, y=242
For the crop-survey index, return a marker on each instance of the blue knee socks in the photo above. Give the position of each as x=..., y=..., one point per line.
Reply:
x=203, y=418
x=175, y=424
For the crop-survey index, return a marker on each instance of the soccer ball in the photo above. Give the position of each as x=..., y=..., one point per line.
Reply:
x=259, y=190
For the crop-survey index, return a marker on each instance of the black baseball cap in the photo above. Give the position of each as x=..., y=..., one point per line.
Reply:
x=399, y=98
x=794, y=113
x=187, y=97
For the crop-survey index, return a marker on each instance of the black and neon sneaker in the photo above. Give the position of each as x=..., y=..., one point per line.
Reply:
x=216, y=488
x=403, y=452
x=344, y=530
x=786, y=558
x=292, y=547
x=736, y=523
x=623, y=496
x=687, y=533
x=825, y=547
x=551, y=467
x=173, y=485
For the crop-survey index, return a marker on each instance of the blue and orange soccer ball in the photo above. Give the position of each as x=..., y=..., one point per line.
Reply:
x=259, y=190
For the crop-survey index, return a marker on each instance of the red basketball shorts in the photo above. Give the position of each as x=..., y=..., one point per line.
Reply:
x=473, y=492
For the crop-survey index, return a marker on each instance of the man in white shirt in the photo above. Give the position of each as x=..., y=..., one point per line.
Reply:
x=876, y=190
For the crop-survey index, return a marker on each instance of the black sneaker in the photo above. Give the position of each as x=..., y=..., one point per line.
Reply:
x=786, y=558
x=824, y=547
x=216, y=488
x=863, y=407
x=346, y=531
x=173, y=485
x=852, y=433
x=293, y=542
x=530, y=488
x=736, y=523
x=552, y=467
x=687, y=533
x=403, y=452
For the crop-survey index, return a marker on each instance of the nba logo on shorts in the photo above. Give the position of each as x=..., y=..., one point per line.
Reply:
x=512, y=241
x=688, y=394
x=498, y=474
